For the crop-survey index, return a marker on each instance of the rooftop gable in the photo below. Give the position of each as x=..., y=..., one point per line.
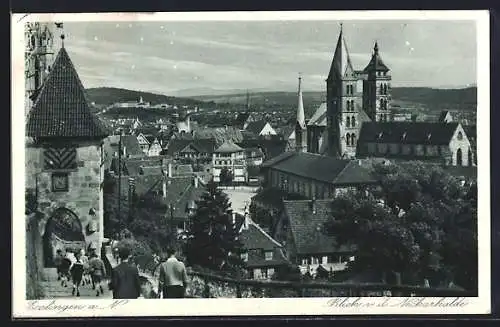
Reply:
x=61, y=108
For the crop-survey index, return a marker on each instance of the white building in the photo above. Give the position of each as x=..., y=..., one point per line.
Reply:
x=232, y=157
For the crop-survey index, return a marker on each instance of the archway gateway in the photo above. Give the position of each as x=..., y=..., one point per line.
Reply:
x=63, y=231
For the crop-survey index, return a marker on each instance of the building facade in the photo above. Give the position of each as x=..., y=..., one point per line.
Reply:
x=229, y=156
x=64, y=162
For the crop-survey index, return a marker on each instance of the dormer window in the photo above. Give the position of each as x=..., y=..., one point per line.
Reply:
x=268, y=255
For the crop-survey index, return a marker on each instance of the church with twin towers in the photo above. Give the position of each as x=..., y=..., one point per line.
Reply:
x=352, y=97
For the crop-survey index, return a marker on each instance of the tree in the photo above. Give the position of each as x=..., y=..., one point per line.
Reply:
x=212, y=238
x=226, y=176
x=418, y=222
x=149, y=222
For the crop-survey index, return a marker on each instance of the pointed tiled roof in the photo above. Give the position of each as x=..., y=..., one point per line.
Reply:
x=61, y=108
x=319, y=117
x=341, y=61
x=376, y=63
x=301, y=119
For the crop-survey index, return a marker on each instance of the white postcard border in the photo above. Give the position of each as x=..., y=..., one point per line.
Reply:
x=222, y=307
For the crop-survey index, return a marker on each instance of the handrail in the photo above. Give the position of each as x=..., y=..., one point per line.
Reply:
x=329, y=285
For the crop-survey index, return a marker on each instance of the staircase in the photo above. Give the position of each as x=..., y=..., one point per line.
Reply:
x=53, y=289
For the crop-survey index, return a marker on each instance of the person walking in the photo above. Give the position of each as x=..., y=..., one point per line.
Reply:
x=85, y=260
x=76, y=271
x=173, y=277
x=125, y=282
x=97, y=272
x=64, y=268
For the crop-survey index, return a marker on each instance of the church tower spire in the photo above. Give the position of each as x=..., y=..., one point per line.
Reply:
x=378, y=83
x=300, y=125
x=343, y=102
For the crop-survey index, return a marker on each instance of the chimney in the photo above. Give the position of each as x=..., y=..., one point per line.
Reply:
x=124, y=151
x=169, y=170
x=164, y=188
x=195, y=181
x=313, y=205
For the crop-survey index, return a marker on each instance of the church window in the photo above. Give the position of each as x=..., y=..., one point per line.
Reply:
x=347, y=89
x=352, y=105
x=348, y=139
x=353, y=121
x=348, y=122
x=353, y=139
x=460, y=136
x=385, y=88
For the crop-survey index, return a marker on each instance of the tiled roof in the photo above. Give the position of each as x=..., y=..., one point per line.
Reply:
x=228, y=147
x=180, y=191
x=255, y=238
x=407, y=132
x=132, y=145
x=133, y=166
x=376, y=63
x=180, y=170
x=61, y=108
x=256, y=126
x=443, y=115
x=319, y=117
x=271, y=147
x=470, y=130
x=308, y=229
x=202, y=145
x=322, y=168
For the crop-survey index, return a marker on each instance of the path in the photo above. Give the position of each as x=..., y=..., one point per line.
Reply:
x=52, y=288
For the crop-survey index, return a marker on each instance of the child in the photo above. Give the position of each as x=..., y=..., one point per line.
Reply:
x=97, y=272
x=76, y=271
x=64, y=268
x=85, y=261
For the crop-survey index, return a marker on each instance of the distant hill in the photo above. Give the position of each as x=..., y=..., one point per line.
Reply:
x=105, y=96
x=433, y=99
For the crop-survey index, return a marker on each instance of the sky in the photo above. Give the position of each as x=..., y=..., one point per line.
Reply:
x=189, y=58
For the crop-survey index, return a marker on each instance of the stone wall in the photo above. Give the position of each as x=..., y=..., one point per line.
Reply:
x=84, y=194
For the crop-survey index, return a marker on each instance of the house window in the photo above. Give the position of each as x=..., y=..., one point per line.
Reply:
x=324, y=260
x=257, y=273
x=304, y=262
x=62, y=158
x=244, y=256
x=269, y=255
x=270, y=272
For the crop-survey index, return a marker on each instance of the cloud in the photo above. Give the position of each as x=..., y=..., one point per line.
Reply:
x=244, y=55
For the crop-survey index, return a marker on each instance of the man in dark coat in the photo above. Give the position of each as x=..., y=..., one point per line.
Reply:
x=125, y=282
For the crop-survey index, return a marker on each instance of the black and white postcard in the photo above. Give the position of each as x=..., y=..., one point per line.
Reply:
x=251, y=163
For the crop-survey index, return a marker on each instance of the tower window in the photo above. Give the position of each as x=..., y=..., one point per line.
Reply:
x=353, y=121
x=353, y=139
x=348, y=139
x=347, y=89
x=348, y=122
x=352, y=105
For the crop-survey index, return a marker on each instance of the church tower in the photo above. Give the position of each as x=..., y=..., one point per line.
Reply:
x=344, y=100
x=64, y=162
x=377, y=85
x=300, y=125
x=39, y=56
